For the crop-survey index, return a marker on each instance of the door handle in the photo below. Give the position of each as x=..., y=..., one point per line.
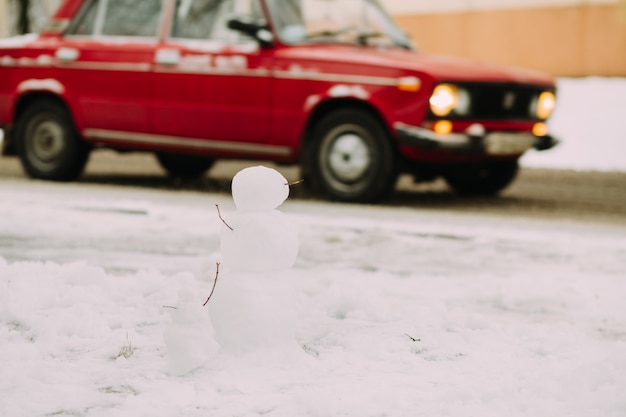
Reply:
x=66, y=54
x=167, y=56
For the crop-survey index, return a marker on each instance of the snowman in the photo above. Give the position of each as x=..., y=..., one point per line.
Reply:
x=252, y=309
x=189, y=337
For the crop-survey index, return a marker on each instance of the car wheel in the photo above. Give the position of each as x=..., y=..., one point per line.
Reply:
x=482, y=179
x=350, y=157
x=184, y=166
x=48, y=144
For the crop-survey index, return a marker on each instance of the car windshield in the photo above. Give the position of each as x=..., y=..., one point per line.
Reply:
x=335, y=21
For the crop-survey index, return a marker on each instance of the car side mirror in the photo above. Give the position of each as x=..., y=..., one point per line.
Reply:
x=256, y=28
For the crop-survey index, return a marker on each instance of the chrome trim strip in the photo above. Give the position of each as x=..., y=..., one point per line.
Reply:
x=259, y=72
x=214, y=71
x=190, y=143
x=6, y=61
x=115, y=39
x=337, y=78
x=107, y=66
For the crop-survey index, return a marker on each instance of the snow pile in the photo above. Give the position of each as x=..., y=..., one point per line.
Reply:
x=401, y=312
x=588, y=120
x=72, y=336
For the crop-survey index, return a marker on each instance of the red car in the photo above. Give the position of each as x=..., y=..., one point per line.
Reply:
x=332, y=85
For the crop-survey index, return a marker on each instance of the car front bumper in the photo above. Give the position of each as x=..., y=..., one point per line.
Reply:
x=473, y=140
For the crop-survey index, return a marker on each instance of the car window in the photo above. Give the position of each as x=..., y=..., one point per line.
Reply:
x=118, y=18
x=132, y=17
x=331, y=21
x=85, y=22
x=207, y=19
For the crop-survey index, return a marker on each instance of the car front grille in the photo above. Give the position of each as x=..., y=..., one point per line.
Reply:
x=500, y=101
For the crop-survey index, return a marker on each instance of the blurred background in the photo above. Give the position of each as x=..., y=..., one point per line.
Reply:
x=565, y=38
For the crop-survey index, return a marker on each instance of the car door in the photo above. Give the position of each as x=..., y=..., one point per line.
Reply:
x=212, y=84
x=106, y=59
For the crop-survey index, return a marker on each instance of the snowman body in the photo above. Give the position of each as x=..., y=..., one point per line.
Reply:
x=253, y=304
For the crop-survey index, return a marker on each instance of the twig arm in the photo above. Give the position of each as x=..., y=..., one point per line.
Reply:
x=217, y=272
x=221, y=218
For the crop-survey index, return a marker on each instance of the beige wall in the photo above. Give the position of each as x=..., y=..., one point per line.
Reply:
x=570, y=40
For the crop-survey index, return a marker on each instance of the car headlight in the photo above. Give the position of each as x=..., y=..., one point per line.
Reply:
x=544, y=105
x=447, y=98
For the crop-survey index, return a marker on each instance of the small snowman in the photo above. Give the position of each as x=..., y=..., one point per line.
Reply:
x=189, y=337
x=253, y=308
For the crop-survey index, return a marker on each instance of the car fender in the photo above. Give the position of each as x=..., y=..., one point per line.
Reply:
x=30, y=89
x=342, y=95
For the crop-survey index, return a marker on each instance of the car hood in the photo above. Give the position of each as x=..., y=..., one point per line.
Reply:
x=401, y=62
x=447, y=68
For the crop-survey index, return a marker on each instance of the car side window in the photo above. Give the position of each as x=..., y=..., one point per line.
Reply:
x=132, y=18
x=118, y=18
x=207, y=19
x=85, y=23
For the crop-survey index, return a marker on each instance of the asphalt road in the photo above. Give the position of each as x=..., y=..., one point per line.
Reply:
x=543, y=193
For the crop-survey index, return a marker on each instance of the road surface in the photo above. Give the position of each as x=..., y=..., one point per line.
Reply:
x=542, y=193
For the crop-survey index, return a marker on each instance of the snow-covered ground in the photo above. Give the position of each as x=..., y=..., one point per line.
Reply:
x=400, y=312
x=589, y=120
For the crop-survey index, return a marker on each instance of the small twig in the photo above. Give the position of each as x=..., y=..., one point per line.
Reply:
x=294, y=182
x=172, y=307
x=221, y=218
x=412, y=338
x=217, y=272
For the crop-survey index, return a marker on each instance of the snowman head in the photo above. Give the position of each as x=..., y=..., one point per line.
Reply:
x=259, y=188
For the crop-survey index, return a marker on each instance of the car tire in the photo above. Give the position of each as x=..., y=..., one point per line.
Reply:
x=350, y=158
x=482, y=179
x=48, y=144
x=184, y=166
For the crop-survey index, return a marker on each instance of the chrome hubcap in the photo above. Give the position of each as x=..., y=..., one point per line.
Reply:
x=47, y=141
x=349, y=157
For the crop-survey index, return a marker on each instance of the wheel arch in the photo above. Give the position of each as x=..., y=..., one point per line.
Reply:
x=372, y=177
x=21, y=104
x=28, y=98
x=327, y=107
